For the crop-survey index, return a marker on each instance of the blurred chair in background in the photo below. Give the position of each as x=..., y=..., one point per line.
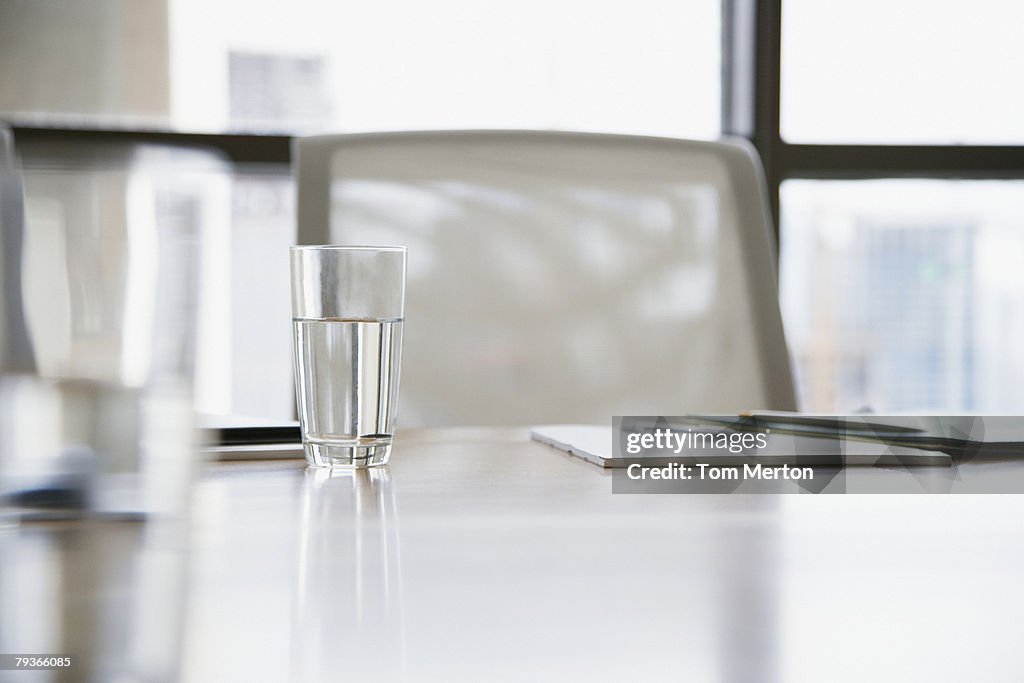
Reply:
x=563, y=277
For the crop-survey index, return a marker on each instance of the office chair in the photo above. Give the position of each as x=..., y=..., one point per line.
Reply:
x=563, y=277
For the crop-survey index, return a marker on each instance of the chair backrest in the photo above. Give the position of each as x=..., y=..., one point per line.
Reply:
x=563, y=277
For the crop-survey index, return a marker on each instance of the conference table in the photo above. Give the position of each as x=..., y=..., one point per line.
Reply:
x=480, y=555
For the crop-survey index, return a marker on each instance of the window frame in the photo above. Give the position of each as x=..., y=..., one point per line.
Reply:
x=239, y=148
x=751, y=96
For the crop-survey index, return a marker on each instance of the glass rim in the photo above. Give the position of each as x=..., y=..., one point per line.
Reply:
x=344, y=247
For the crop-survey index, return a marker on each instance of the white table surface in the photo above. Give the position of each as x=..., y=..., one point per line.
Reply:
x=478, y=555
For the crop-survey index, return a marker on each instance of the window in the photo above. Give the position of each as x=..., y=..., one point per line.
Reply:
x=905, y=294
x=888, y=130
x=891, y=132
x=85, y=73
x=902, y=72
x=648, y=66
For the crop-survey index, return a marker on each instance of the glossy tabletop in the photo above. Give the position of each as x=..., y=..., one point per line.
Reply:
x=479, y=555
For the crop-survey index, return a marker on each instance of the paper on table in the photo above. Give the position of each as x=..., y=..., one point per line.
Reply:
x=593, y=443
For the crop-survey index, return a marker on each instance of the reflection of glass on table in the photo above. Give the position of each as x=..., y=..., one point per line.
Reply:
x=348, y=603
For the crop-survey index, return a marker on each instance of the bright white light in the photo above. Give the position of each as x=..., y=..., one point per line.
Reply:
x=902, y=72
x=644, y=67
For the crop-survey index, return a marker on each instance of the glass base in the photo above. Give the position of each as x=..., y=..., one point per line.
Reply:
x=347, y=457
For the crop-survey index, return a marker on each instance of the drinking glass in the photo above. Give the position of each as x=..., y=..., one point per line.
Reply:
x=100, y=322
x=348, y=308
x=98, y=328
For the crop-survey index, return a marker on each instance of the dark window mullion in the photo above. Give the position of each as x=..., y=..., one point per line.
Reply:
x=873, y=161
x=768, y=93
x=239, y=148
x=751, y=64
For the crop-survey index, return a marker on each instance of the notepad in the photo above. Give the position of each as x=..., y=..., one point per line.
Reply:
x=593, y=443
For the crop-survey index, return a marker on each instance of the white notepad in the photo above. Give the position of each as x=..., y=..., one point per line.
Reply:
x=593, y=443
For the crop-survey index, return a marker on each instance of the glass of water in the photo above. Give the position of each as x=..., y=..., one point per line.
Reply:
x=348, y=307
